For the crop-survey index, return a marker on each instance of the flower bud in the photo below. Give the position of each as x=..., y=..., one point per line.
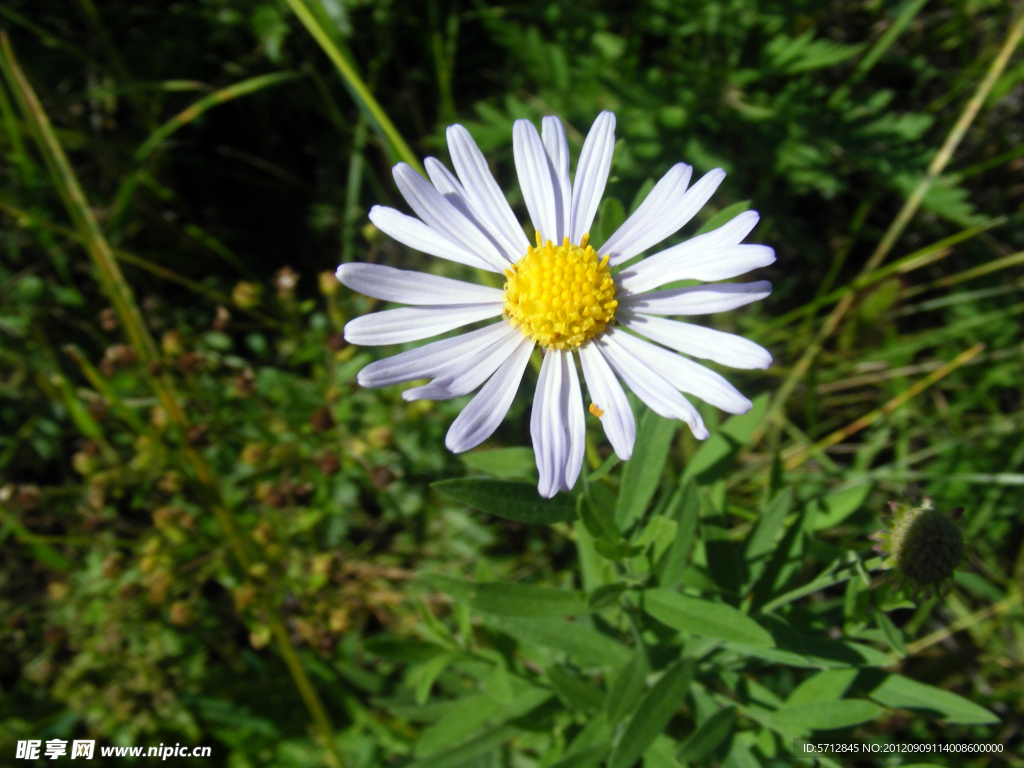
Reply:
x=924, y=546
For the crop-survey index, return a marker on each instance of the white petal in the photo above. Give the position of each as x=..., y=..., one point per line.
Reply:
x=462, y=377
x=698, y=300
x=686, y=375
x=408, y=287
x=660, y=396
x=397, y=326
x=454, y=192
x=446, y=183
x=698, y=341
x=713, y=264
x=665, y=220
x=575, y=421
x=484, y=193
x=431, y=359
x=484, y=412
x=548, y=426
x=414, y=233
x=553, y=135
x=443, y=217
x=669, y=190
x=606, y=393
x=697, y=258
x=535, y=179
x=591, y=175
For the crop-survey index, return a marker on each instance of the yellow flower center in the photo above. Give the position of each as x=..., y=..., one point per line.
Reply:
x=560, y=296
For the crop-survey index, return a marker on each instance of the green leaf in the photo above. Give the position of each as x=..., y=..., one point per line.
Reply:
x=424, y=675
x=708, y=736
x=584, y=645
x=598, y=520
x=725, y=215
x=838, y=506
x=606, y=466
x=472, y=712
x=511, y=598
x=892, y=633
x=577, y=693
x=704, y=618
x=903, y=693
x=717, y=452
x=828, y=715
x=642, y=474
x=474, y=749
x=661, y=753
x=762, y=538
x=827, y=685
x=610, y=216
x=626, y=689
x=684, y=508
x=508, y=499
x=586, y=758
x=505, y=463
x=818, y=653
x=605, y=595
x=653, y=714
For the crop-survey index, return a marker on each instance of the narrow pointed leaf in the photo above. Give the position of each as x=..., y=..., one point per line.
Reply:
x=828, y=715
x=903, y=693
x=510, y=598
x=653, y=714
x=705, y=618
x=708, y=736
x=642, y=474
x=508, y=499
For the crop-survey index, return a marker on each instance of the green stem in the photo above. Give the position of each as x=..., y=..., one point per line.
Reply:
x=355, y=82
x=840, y=575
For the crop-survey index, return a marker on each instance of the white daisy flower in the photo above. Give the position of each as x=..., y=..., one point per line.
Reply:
x=560, y=294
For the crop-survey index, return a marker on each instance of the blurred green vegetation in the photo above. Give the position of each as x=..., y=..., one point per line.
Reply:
x=210, y=530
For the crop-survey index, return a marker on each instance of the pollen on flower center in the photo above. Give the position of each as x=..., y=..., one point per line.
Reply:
x=560, y=296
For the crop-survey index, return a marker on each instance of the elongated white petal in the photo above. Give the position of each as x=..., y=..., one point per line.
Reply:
x=591, y=175
x=412, y=232
x=576, y=425
x=698, y=300
x=408, y=287
x=484, y=193
x=445, y=181
x=717, y=264
x=535, y=179
x=443, y=217
x=484, y=412
x=695, y=259
x=431, y=359
x=665, y=220
x=454, y=192
x=552, y=133
x=724, y=348
x=660, y=396
x=462, y=377
x=686, y=375
x=397, y=326
x=606, y=393
x=548, y=426
x=667, y=193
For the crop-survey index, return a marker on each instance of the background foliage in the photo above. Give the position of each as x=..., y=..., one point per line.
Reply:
x=213, y=536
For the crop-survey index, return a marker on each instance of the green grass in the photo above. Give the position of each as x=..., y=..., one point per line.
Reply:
x=213, y=536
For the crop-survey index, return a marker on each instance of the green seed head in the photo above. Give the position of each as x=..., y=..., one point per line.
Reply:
x=924, y=546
